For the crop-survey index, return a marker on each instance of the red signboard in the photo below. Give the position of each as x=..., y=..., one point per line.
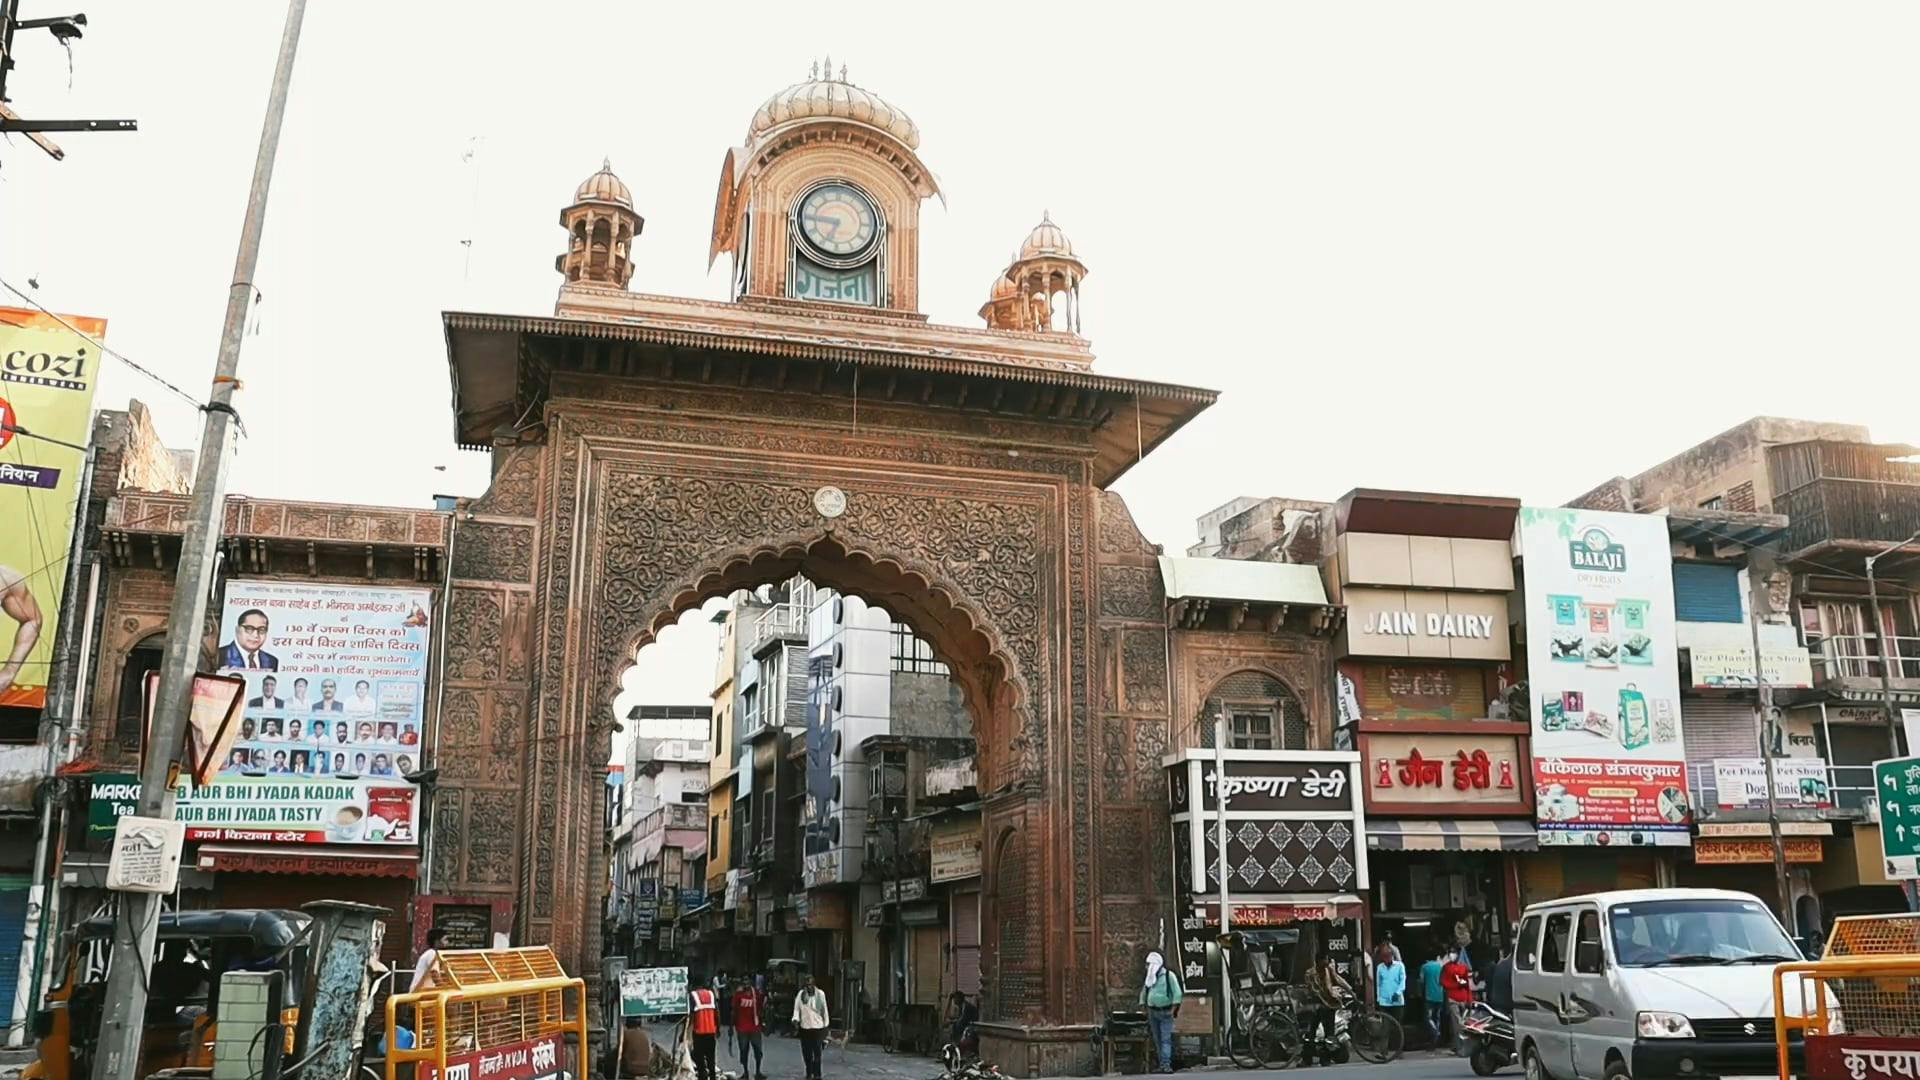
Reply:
x=1609, y=795
x=1860, y=1057
x=533, y=1059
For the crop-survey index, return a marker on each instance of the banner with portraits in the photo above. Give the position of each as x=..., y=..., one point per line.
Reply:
x=336, y=679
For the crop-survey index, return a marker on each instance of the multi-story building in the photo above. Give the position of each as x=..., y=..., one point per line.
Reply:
x=659, y=832
x=1845, y=500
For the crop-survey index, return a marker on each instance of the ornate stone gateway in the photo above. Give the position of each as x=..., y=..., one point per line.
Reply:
x=653, y=452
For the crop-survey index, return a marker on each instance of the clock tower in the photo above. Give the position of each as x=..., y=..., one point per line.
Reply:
x=821, y=204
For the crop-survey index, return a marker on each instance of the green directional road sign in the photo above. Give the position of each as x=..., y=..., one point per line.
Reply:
x=1897, y=782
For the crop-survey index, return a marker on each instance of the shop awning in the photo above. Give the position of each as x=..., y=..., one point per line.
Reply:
x=1495, y=835
x=357, y=862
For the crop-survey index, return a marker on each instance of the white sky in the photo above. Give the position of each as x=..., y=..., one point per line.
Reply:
x=1510, y=248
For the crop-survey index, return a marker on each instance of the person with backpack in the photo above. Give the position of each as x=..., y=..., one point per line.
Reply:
x=1161, y=994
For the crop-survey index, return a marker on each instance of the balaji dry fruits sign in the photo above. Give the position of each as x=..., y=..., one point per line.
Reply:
x=1604, y=678
x=1293, y=822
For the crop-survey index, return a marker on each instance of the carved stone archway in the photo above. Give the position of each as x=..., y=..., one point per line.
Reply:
x=641, y=469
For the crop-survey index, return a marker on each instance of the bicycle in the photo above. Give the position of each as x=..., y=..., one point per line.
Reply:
x=1376, y=1036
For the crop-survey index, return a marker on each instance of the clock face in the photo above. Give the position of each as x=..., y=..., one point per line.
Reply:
x=837, y=220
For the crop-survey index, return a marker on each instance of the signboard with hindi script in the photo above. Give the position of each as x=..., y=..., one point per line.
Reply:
x=660, y=991
x=47, y=378
x=1897, y=783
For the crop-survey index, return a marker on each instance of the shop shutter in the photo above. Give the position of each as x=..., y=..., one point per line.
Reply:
x=966, y=943
x=1707, y=592
x=13, y=926
x=1718, y=729
x=929, y=966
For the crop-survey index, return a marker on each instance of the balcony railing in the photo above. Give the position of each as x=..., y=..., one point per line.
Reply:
x=672, y=816
x=781, y=622
x=1858, y=656
x=1850, y=786
x=1840, y=509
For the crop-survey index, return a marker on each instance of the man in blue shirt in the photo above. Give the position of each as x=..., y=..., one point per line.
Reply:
x=1432, y=994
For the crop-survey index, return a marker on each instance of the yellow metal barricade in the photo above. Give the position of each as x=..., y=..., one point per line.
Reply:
x=1858, y=1007
x=491, y=1014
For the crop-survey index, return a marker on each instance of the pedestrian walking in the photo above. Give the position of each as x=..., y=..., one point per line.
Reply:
x=1500, y=983
x=810, y=1018
x=723, y=989
x=703, y=1015
x=1161, y=994
x=1457, y=979
x=749, y=1004
x=1389, y=980
x=1433, y=995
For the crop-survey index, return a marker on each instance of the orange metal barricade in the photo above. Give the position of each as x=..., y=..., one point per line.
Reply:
x=1858, y=1008
x=492, y=1014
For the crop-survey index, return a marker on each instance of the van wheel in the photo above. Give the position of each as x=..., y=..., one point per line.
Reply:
x=1535, y=1068
x=1617, y=1070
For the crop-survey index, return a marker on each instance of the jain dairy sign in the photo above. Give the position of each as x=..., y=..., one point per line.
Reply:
x=1443, y=624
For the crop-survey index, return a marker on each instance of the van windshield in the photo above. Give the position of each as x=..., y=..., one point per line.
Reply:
x=1706, y=931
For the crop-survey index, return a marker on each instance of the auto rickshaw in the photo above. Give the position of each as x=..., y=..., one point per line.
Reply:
x=192, y=950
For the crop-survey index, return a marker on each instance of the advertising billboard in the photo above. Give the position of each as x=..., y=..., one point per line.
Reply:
x=1604, y=678
x=270, y=810
x=47, y=378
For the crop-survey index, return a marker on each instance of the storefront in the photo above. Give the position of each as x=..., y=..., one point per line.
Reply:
x=1296, y=865
x=1449, y=808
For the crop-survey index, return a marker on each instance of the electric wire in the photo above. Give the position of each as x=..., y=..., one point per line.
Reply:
x=105, y=350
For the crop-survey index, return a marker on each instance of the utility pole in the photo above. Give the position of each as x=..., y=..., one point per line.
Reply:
x=1760, y=566
x=1220, y=839
x=1880, y=635
x=122, y=1021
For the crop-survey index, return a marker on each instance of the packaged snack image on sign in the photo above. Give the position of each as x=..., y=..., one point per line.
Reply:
x=1608, y=765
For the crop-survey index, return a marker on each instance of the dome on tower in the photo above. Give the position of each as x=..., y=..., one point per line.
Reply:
x=826, y=96
x=604, y=187
x=1046, y=239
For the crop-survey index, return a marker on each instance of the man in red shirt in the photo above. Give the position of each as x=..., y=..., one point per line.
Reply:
x=748, y=1006
x=1457, y=980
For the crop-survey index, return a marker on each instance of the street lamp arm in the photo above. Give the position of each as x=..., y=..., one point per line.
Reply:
x=1883, y=553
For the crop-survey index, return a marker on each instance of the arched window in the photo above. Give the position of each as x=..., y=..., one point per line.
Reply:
x=129, y=712
x=1262, y=713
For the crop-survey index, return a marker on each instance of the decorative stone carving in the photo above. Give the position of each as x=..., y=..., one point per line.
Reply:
x=458, y=753
x=1118, y=533
x=1131, y=592
x=473, y=635
x=1143, y=656
x=515, y=491
x=490, y=846
x=449, y=834
x=1149, y=747
x=487, y=551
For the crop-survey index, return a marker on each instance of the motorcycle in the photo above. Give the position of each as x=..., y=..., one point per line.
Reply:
x=966, y=1051
x=1490, y=1037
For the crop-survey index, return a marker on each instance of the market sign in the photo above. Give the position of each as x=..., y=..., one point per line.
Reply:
x=1294, y=823
x=268, y=810
x=660, y=991
x=1797, y=782
x=1444, y=769
x=1425, y=622
x=1897, y=783
x=1731, y=667
x=1608, y=768
x=1799, y=849
x=955, y=854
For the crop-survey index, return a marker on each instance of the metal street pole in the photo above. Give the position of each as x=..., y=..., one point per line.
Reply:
x=1886, y=653
x=117, y=1054
x=1763, y=706
x=1220, y=839
x=1880, y=634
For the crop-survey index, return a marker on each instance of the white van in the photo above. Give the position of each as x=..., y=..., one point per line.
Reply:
x=1648, y=983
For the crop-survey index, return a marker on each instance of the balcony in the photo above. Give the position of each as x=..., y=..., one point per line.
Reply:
x=1845, y=496
x=1860, y=656
x=781, y=624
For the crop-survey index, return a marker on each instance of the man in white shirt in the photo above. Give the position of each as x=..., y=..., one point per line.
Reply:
x=810, y=1018
x=362, y=703
x=423, y=967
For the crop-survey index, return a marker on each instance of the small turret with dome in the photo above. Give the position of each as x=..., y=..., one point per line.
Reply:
x=601, y=227
x=1046, y=267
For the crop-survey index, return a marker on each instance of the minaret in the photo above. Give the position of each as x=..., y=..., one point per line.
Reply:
x=601, y=226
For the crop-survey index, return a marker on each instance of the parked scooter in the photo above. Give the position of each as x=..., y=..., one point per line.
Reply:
x=1489, y=1038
